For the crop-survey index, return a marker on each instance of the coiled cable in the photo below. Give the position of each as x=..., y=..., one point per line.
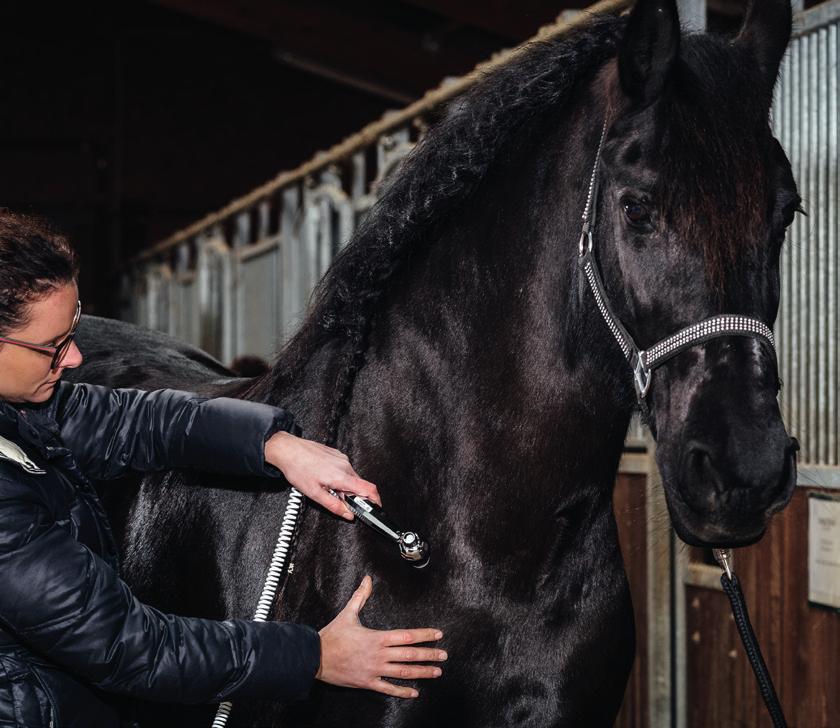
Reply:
x=285, y=540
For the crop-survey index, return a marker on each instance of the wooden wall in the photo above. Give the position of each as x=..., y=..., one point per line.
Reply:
x=629, y=507
x=800, y=642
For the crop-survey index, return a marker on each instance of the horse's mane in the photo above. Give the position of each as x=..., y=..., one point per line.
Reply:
x=443, y=171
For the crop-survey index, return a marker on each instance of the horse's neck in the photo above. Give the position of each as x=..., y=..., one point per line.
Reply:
x=479, y=420
x=490, y=343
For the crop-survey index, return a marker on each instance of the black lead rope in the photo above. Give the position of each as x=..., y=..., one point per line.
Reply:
x=732, y=588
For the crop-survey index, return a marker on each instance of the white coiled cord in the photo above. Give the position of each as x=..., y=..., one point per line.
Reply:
x=272, y=580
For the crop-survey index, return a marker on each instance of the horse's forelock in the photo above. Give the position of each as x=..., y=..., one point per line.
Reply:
x=713, y=178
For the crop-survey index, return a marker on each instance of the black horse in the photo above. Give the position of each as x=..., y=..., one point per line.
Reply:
x=456, y=353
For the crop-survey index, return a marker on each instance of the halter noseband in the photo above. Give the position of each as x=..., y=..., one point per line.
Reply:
x=644, y=362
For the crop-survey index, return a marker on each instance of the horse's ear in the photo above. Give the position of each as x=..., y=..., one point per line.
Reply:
x=766, y=31
x=649, y=49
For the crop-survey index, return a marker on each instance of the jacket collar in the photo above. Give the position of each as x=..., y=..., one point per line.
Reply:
x=8, y=419
x=30, y=424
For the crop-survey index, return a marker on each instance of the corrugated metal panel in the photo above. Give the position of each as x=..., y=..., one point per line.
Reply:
x=806, y=121
x=185, y=304
x=214, y=298
x=257, y=289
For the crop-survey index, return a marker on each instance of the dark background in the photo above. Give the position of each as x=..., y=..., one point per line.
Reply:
x=123, y=121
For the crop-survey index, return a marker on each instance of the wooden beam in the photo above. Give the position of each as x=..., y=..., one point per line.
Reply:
x=357, y=43
x=511, y=19
x=367, y=136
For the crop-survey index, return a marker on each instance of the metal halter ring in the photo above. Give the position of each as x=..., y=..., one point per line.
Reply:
x=643, y=376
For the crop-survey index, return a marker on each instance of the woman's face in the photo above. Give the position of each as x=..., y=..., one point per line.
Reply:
x=25, y=374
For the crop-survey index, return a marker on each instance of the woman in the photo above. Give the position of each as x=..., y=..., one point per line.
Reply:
x=72, y=636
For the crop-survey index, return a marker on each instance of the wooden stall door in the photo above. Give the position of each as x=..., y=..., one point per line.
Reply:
x=630, y=513
x=800, y=642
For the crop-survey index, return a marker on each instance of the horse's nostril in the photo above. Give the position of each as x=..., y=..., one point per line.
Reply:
x=703, y=471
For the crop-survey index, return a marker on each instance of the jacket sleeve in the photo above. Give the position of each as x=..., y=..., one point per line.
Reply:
x=110, y=431
x=66, y=603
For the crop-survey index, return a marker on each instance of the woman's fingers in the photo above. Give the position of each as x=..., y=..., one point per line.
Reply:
x=364, y=488
x=414, y=654
x=321, y=494
x=411, y=672
x=383, y=686
x=410, y=636
x=325, y=498
x=360, y=596
x=357, y=657
x=354, y=485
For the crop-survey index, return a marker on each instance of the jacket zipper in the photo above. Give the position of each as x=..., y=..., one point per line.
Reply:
x=50, y=701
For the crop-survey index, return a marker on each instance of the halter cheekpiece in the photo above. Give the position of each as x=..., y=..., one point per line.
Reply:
x=644, y=362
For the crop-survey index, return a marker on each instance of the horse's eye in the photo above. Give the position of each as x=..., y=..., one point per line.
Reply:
x=637, y=214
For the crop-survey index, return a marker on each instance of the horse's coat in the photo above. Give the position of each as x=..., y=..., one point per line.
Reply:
x=454, y=352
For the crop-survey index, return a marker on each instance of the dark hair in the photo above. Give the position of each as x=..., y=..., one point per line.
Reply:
x=34, y=259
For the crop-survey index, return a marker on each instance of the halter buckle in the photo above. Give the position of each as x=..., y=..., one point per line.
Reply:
x=642, y=375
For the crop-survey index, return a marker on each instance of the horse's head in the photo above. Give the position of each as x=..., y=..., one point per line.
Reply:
x=695, y=196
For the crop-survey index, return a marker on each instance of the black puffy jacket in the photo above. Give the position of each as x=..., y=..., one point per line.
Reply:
x=72, y=636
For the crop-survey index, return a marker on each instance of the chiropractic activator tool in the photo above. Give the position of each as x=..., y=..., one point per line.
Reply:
x=412, y=547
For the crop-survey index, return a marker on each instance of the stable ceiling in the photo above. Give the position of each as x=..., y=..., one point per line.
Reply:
x=395, y=50
x=124, y=121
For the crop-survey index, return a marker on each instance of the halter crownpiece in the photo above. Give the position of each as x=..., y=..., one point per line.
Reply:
x=644, y=362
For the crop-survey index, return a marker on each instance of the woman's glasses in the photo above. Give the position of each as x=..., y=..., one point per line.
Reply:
x=58, y=351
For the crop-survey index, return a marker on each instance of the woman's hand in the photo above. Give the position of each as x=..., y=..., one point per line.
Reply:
x=354, y=656
x=314, y=468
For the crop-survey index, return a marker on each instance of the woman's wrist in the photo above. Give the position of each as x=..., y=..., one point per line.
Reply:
x=319, y=671
x=276, y=448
